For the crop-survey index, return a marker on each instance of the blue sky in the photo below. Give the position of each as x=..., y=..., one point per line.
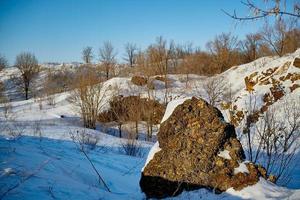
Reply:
x=57, y=30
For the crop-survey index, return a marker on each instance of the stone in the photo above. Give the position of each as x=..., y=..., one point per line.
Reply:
x=191, y=140
x=139, y=80
x=120, y=108
x=297, y=62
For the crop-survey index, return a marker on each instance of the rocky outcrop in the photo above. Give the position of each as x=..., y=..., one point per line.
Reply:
x=127, y=108
x=139, y=80
x=198, y=149
x=297, y=62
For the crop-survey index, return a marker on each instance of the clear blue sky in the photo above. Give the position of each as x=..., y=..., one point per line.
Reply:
x=57, y=30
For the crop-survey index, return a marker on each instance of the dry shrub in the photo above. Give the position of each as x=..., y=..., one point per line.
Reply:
x=88, y=96
x=139, y=80
x=57, y=81
x=130, y=146
x=84, y=139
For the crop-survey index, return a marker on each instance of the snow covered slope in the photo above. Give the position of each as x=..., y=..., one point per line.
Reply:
x=62, y=172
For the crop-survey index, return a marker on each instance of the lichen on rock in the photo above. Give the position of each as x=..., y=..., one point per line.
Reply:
x=190, y=142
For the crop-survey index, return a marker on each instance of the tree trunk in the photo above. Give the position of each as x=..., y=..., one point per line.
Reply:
x=26, y=93
x=120, y=130
x=136, y=130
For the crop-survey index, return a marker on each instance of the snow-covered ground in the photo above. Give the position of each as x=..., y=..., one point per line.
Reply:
x=50, y=166
x=56, y=169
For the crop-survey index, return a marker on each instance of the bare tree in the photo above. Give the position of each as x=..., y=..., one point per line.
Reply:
x=119, y=111
x=87, y=55
x=2, y=93
x=88, y=96
x=107, y=57
x=251, y=117
x=224, y=50
x=277, y=36
x=29, y=68
x=148, y=110
x=277, y=136
x=3, y=62
x=160, y=55
x=293, y=40
x=130, y=50
x=291, y=127
x=276, y=8
x=135, y=113
x=214, y=89
x=250, y=47
x=272, y=137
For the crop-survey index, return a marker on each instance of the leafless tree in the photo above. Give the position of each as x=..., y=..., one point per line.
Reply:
x=293, y=40
x=29, y=68
x=276, y=8
x=107, y=57
x=88, y=96
x=250, y=47
x=160, y=55
x=119, y=112
x=277, y=136
x=277, y=36
x=130, y=50
x=135, y=114
x=224, y=51
x=144, y=65
x=251, y=117
x=149, y=113
x=3, y=97
x=3, y=62
x=87, y=55
x=291, y=127
x=214, y=89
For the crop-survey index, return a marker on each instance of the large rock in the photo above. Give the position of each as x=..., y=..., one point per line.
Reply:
x=198, y=149
x=297, y=62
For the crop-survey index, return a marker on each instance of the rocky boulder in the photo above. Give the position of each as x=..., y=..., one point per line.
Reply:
x=297, y=62
x=198, y=149
x=139, y=80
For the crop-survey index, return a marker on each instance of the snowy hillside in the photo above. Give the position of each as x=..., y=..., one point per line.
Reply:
x=49, y=166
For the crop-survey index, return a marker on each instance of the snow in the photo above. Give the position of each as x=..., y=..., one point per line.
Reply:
x=7, y=171
x=264, y=190
x=68, y=175
x=261, y=190
x=224, y=154
x=66, y=172
x=171, y=107
x=242, y=168
x=151, y=154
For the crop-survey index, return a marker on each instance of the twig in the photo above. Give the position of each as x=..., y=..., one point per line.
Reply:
x=25, y=179
x=81, y=148
x=262, y=13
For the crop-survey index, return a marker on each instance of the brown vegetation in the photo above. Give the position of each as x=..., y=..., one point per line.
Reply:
x=135, y=109
x=139, y=80
x=88, y=95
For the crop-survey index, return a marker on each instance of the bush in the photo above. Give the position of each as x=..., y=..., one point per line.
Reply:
x=138, y=80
